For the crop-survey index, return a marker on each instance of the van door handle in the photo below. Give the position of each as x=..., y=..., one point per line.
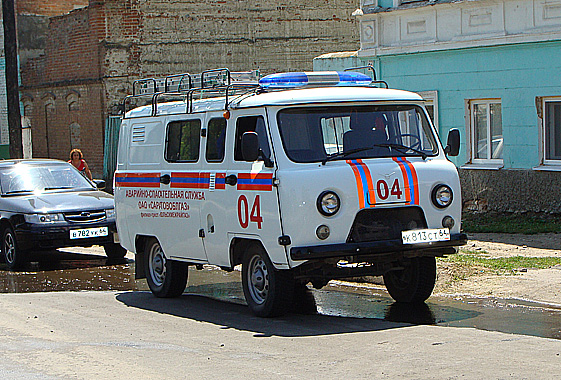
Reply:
x=165, y=179
x=231, y=180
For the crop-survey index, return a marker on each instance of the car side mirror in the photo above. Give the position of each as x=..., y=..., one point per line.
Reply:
x=99, y=183
x=250, y=146
x=453, y=144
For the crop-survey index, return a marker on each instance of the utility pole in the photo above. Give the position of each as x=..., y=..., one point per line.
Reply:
x=12, y=78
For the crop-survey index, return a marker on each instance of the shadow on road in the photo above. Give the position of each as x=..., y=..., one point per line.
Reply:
x=236, y=316
x=541, y=241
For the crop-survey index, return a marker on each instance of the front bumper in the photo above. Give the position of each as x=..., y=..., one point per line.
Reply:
x=36, y=236
x=376, y=247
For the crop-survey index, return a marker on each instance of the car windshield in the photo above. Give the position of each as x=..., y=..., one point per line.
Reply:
x=321, y=134
x=24, y=177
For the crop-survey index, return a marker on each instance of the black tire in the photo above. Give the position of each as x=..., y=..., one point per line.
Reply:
x=13, y=256
x=166, y=278
x=114, y=251
x=415, y=283
x=268, y=292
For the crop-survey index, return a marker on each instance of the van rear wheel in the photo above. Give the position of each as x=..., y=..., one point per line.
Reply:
x=268, y=291
x=414, y=283
x=166, y=278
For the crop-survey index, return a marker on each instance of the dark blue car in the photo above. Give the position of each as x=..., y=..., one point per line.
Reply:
x=48, y=204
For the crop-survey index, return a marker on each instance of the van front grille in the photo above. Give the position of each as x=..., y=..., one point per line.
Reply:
x=85, y=216
x=385, y=224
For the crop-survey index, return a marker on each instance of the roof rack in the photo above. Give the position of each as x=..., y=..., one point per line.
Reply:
x=224, y=83
x=371, y=68
x=209, y=83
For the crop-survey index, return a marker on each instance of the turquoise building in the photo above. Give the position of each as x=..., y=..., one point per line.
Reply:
x=490, y=68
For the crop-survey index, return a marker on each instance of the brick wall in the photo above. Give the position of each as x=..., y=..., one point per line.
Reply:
x=61, y=114
x=269, y=34
x=98, y=51
x=48, y=7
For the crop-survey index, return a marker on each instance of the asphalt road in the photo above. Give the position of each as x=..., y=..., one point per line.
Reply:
x=133, y=335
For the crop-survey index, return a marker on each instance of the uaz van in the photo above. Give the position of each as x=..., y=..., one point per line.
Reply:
x=299, y=177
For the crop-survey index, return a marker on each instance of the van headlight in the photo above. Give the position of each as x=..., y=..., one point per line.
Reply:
x=43, y=218
x=328, y=203
x=110, y=213
x=442, y=196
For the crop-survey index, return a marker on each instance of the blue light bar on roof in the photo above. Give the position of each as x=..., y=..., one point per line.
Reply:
x=315, y=78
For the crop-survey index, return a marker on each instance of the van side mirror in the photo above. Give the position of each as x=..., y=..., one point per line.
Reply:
x=453, y=144
x=250, y=146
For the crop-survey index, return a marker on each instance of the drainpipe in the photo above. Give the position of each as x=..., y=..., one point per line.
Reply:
x=12, y=78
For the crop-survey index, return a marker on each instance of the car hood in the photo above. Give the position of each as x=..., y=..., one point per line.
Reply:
x=57, y=202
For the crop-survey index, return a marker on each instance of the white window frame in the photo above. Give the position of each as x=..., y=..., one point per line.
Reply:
x=481, y=163
x=547, y=163
x=431, y=99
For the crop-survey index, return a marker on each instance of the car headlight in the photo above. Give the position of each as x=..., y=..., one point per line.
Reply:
x=43, y=218
x=442, y=196
x=328, y=203
x=110, y=213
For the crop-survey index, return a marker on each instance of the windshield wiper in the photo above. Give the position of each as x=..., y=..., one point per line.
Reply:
x=18, y=191
x=58, y=187
x=403, y=149
x=345, y=153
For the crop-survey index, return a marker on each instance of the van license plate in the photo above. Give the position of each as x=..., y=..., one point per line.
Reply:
x=425, y=236
x=89, y=233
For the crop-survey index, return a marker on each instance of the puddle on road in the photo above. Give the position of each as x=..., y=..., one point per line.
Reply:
x=72, y=272
x=62, y=271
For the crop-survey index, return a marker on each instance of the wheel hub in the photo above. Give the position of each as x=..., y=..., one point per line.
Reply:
x=258, y=280
x=157, y=265
x=9, y=246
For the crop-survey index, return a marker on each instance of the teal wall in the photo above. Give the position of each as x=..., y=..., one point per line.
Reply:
x=514, y=73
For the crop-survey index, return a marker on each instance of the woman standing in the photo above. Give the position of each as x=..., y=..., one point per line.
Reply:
x=79, y=163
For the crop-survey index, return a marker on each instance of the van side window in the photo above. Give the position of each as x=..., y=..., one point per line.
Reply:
x=253, y=124
x=216, y=137
x=183, y=141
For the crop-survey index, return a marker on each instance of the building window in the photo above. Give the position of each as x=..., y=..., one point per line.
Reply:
x=552, y=131
x=72, y=101
x=75, y=140
x=486, y=134
x=431, y=104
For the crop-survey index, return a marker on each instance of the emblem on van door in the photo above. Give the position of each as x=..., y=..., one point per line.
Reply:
x=388, y=176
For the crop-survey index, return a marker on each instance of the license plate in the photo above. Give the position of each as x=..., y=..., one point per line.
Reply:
x=425, y=236
x=89, y=233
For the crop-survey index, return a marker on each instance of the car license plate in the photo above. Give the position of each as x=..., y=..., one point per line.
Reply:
x=89, y=233
x=425, y=236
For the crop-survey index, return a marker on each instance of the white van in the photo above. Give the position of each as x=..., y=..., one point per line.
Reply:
x=299, y=177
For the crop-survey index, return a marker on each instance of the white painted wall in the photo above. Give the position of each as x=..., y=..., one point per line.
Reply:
x=417, y=27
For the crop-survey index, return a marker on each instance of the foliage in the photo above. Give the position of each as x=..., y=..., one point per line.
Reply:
x=504, y=264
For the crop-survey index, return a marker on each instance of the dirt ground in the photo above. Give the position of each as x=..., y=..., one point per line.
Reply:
x=543, y=285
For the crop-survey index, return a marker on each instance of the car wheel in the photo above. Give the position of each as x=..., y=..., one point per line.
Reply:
x=414, y=283
x=268, y=292
x=166, y=278
x=13, y=256
x=114, y=251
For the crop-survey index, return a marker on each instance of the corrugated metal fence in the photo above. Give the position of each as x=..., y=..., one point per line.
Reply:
x=112, y=127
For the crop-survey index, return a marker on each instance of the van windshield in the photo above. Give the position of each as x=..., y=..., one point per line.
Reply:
x=319, y=134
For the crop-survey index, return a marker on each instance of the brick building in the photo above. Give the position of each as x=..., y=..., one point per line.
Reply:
x=32, y=21
x=93, y=55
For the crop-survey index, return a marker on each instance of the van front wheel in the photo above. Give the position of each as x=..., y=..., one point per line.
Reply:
x=414, y=283
x=268, y=291
x=166, y=278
